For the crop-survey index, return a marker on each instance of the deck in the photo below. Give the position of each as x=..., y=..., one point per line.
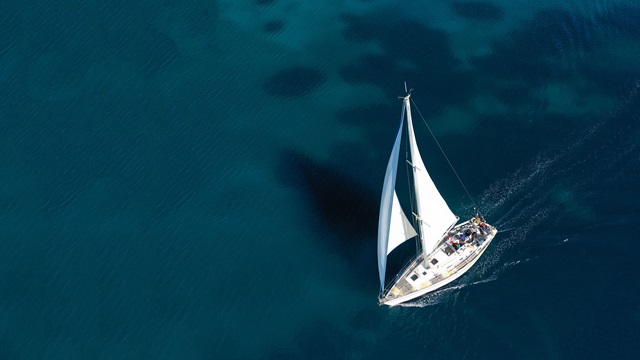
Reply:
x=446, y=264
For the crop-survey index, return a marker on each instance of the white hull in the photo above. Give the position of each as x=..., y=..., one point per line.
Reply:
x=390, y=300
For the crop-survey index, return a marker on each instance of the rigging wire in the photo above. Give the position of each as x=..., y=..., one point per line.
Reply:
x=445, y=156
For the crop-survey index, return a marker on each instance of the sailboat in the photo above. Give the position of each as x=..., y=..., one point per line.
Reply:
x=446, y=249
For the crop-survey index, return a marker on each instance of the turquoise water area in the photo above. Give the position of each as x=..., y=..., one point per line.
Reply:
x=201, y=179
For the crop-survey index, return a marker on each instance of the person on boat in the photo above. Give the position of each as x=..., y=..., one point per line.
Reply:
x=482, y=228
x=465, y=238
x=455, y=243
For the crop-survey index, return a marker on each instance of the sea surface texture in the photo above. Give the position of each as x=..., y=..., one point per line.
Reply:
x=200, y=179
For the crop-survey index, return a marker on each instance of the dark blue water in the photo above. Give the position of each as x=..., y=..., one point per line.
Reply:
x=201, y=179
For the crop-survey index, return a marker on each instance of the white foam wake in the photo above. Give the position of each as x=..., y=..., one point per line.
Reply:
x=441, y=295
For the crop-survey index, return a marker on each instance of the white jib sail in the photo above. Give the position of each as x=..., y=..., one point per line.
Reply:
x=435, y=217
x=400, y=229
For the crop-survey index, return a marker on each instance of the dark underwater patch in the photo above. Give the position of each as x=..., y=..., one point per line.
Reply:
x=295, y=81
x=533, y=54
x=407, y=40
x=412, y=52
x=358, y=29
x=554, y=32
x=505, y=63
x=273, y=27
x=369, y=68
x=479, y=10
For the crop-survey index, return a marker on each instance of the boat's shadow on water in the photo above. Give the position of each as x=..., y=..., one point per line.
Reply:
x=344, y=212
x=340, y=209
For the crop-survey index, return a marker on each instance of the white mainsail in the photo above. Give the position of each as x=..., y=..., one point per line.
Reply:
x=435, y=217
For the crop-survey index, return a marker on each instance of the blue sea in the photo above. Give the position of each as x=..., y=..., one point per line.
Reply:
x=201, y=179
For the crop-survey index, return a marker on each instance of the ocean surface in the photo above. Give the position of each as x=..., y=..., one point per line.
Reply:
x=200, y=179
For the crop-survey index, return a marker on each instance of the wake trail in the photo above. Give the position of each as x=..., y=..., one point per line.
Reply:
x=441, y=295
